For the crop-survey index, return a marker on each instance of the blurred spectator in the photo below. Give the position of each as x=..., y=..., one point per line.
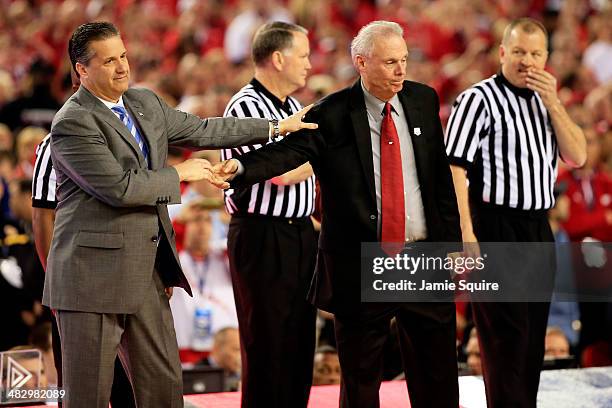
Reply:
x=590, y=193
x=225, y=353
x=326, y=366
x=207, y=271
x=556, y=344
x=240, y=31
x=199, y=190
x=19, y=245
x=7, y=174
x=16, y=305
x=27, y=141
x=598, y=55
x=22, y=276
x=38, y=106
x=472, y=350
x=564, y=312
x=7, y=142
x=447, y=51
x=7, y=88
x=20, y=204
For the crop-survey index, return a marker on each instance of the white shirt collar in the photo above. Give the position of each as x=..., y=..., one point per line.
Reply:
x=110, y=105
x=375, y=105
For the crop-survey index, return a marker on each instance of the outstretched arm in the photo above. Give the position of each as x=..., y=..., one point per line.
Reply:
x=275, y=159
x=184, y=129
x=272, y=160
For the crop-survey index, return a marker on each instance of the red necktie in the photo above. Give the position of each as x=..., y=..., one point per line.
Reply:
x=392, y=186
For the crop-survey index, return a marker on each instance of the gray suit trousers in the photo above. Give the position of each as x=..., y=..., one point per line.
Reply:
x=145, y=341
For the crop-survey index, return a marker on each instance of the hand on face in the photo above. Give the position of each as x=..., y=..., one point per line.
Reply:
x=544, y=84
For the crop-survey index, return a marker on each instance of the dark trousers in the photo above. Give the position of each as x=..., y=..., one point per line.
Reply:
x=271, y=263
x=426, y=334
x=122, y=395
x=511, y=335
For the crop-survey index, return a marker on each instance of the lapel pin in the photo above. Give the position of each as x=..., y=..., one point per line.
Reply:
x=140, y=113
x=417, y=131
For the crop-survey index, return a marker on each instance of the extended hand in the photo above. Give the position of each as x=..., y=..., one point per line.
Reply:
x=294, y=122
x=226, y=170
x=544, y=84
x=199, y=169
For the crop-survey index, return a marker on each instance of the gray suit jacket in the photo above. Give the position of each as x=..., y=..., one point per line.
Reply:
x=111, y=214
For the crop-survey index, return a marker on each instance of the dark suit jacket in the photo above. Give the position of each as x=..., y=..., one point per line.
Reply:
x=112, y=208
x=340, y=151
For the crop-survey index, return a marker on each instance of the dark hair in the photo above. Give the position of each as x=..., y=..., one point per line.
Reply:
x=40, y=336
x=78, y=46
x=24, y=185
x=527, y=25
x=8, y=155
x=271, y=37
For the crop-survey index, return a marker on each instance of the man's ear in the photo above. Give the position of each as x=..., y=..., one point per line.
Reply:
x=501, y=52
x=277, y=59
x=81, y=69
x=360, y=62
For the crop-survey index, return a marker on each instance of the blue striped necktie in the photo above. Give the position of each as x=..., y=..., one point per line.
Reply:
x=125, y=118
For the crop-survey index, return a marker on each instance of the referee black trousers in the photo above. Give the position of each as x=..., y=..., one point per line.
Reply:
x=271, y=262
x=511, y=335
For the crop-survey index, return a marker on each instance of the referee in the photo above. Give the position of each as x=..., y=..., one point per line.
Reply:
x=271, y=239
x=507, y=132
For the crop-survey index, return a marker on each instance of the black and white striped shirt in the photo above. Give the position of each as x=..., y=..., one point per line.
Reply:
x=295, y=200
x=504, y=137
x=43, y=181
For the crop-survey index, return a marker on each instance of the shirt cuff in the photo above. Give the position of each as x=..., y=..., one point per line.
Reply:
x=240, y=170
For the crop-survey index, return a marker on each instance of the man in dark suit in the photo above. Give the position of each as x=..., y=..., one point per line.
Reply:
x=113, y=259
x=379, y=156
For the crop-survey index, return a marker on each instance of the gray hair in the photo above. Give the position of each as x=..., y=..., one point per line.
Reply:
x=363, y=43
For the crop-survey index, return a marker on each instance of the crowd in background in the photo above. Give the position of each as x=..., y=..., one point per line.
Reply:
x=196, y=55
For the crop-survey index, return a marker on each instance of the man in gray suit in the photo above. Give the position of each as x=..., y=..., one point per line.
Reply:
x=113, y=259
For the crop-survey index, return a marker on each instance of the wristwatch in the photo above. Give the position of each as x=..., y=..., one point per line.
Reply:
x=276, y=129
